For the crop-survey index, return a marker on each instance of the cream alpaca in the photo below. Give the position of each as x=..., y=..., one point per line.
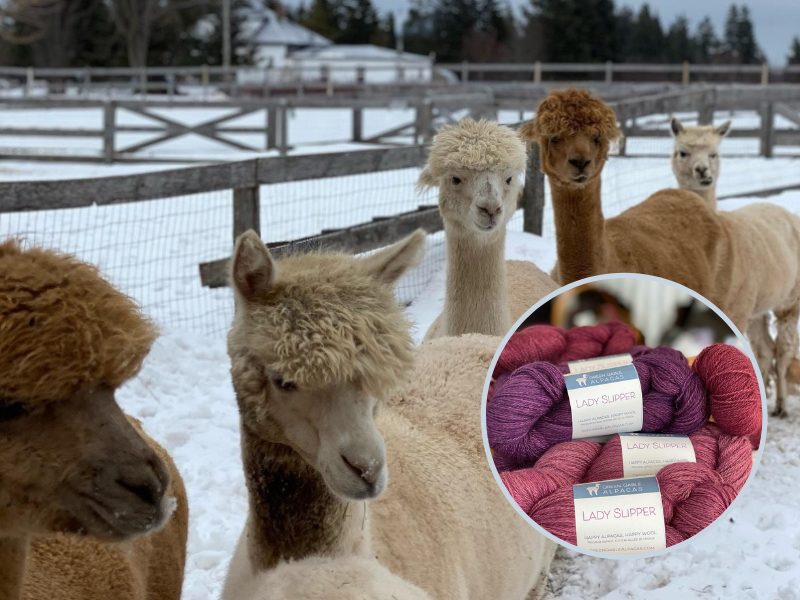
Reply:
x=317, y=578
x=76, y=474
x=477, y=167
x=672, y=234
x=764, y=263
x=695, y=158
x=313, y=452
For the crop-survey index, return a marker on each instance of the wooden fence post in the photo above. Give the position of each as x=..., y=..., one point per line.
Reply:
x=358, y=113
x=283, y=128
x=685, y=73
x=609, y=72
x=246, y=211
x=464, y=72
x=109, y=130
x=767, y=129
x=537, y=72
x=424, y=122
x=272, y=128
x=532, y=200
x=765, y=73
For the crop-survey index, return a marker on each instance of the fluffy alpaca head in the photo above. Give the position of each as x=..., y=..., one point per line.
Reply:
x=67, y=340
x=695, y=156
x=574, y=131
x=316, y=342
x=477, y=166
x=63, y=328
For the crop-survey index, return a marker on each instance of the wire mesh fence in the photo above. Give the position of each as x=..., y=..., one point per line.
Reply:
x=152, y=249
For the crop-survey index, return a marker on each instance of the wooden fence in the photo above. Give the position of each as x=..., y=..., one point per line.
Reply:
x=431, y=109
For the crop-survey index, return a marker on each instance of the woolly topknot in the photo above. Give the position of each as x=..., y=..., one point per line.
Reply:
x=63, y=328
x=477, y=145
x=326, y=321
x=567, y=112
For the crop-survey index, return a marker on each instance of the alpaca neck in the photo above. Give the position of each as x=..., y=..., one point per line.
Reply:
x=579, y=230
x=709, y=195
x=293, y=514
x=476, y=297
x=13, y=556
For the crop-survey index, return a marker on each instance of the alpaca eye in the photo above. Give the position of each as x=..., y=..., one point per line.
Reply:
x=597, y=140
x=508, y=181
x=555, y=139
x=682, y=154
x=10, y=410
x=713, y=156
x=456, y=180
x=286, y=386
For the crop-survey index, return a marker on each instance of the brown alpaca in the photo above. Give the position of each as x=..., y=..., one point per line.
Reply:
x=477, y=167
x=88, y=500
x=672, y=234
x=318, y=341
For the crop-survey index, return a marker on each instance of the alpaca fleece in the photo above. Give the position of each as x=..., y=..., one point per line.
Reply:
x=63, y=328
x=530, y=412
x=476, y=145
x=570, y=111
x=693, y=496
x=332, y=323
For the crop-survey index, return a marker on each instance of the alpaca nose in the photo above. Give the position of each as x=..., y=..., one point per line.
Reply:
x=701, y=170
x=369, y=471
x=491, y=210
x=579, y=163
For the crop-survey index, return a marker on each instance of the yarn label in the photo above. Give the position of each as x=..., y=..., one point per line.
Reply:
x=601, y=362
x=605, y=402
x=646, y=453
x=621, y=516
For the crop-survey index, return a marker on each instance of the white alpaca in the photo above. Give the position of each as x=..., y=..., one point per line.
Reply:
x=317, y=342
x=581, y=380
x=593, y=489
x=695, y=158
x=320, y=578
x=761, y=264
x=477, y=167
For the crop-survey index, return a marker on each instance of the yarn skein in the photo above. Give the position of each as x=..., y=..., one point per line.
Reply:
x=546, y=343
x=692, y=495
x=584, y=461
x=530, y=412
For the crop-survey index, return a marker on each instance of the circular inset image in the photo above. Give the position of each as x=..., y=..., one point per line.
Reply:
x=623, y=415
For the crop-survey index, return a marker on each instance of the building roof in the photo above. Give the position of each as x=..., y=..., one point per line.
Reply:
x=358, y=52
x=264, y=27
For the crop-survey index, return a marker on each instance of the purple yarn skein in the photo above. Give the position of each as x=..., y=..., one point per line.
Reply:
x=530, y=412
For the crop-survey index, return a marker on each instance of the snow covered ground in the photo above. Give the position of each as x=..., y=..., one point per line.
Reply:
x=184, y=395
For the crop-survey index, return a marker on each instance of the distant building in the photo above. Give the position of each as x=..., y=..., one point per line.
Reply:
x=380, y=65
x=273, y=36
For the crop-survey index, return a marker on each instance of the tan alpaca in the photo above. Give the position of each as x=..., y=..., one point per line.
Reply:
x=764, y=258
x=318, y=341
x=319, y=578
x=477, y=167
x=88, y=500
x=695, y=158
x=672, y=234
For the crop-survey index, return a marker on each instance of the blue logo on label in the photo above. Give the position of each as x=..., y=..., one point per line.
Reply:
x=615, y=487
x=592, y=378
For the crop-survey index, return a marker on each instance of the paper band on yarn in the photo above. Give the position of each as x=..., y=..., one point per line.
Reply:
x=621, y=516
x=605, y=402
x=601, y=362
x=645, y=454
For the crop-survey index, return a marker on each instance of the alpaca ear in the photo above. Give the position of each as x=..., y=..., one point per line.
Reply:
x=527, y=132
x=426, y=180
x=253, y=269
x=676, y=126
x=390, y=263
x=723, y=129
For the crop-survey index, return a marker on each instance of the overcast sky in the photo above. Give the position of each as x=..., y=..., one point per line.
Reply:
x=776, y=21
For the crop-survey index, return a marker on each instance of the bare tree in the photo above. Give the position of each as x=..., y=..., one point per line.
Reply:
x=135, y=20
x=26, y=21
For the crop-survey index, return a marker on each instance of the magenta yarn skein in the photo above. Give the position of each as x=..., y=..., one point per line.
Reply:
x=530, y=412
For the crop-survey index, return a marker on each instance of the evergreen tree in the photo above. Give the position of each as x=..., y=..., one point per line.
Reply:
x=730, y=40
x=453, y=21
x=679, y=44
x=794, y=52
x=577, y=30
x=321, y=19
x=418, y=32
x=385, y=35
x=647, y=38
x=746, y=38
x=357, y=22
x=706, y=42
